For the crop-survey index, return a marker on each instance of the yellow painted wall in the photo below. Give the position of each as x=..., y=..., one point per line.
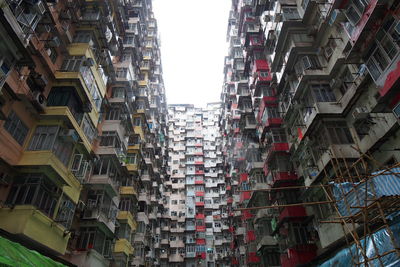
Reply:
x=35, y=225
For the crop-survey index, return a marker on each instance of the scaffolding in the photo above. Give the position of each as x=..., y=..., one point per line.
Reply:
x=366, y=204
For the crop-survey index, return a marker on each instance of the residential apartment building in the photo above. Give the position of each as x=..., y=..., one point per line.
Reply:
x=310, y=103
x=83, y=130
x=194, y=230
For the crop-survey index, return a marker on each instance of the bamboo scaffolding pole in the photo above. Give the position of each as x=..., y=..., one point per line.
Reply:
x=285, y=205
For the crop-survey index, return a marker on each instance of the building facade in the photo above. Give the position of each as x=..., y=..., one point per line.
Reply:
x=310, y=100
x=83, y=130
x=195, y=232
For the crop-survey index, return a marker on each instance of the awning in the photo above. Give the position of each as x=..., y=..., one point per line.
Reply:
x=14, y=254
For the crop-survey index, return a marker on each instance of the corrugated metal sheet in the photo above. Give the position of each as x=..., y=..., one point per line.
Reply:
x=350, y=196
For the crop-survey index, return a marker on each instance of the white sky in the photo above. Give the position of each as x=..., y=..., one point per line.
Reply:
x=193, y=47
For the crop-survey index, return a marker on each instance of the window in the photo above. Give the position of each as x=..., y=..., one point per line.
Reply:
x=52, y=53
x=306, y=63
x=63, y=150
x=16, y=128
x=339, y=132
x=110, y=139
x=348, y=81
x=73, y=63
x=43, y=138
x=83, y=37
x=88, y=128
x=66, y=212
x=115, y=113
x=323, y=93
x=278, y=135
x=134, y=140
x=363, y=127
x=355, y=10
x=91, y=84
x=263, y=74
x=118, y=92
x=137, y=121
x=385, y=49
x=121, y=72
x=127, y=204
x=104, y=166
x=131, y=158
x=329, y=48
x=290, y=13
x=66, y=96
x=37, y=190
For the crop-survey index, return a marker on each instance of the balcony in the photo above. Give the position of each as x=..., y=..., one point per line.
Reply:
x=240, y=231
x=123, y=246
x=293, y=212
x=246, y=215
x=200, y=228
x=199, y=181
x=253, y=258
x=246, y=195
x=106, y=181
x=199, y=203
x=176, y=244
x=244, y=177
x=64, y=112
x=127, y=190
x=201, y=255
x=279, y=177
x=142, y=217
x=199, y=194
x=43, y=160
x=190, y=227
x=261, y=72
x=200, y=216
x=276, y=147
x=298, y=256
x=127, y=216
x=163, y=255
x=34, y=225
x=250, y=236
x=176, y=258
x=266, y=240
x=190, y=254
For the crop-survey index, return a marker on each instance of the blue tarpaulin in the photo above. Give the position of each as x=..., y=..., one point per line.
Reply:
x=383, y=243
x=349, y=196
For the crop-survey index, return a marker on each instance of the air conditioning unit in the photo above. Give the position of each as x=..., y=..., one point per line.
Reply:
x=360, y=113
x=39, y=100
